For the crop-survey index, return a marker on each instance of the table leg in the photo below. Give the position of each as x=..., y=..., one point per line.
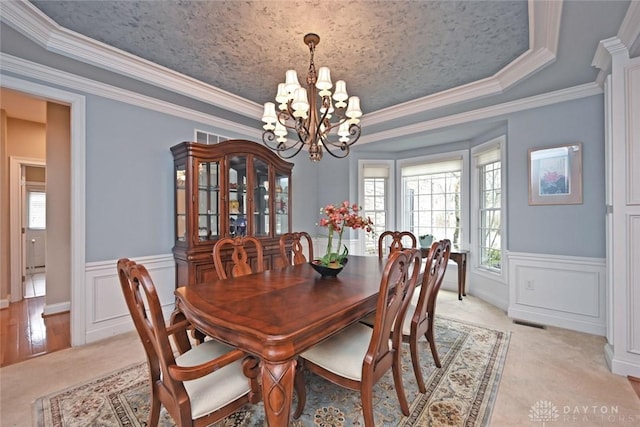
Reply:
x=460, y=258
x=277, y=391
x=464, y=275
x=461, y=275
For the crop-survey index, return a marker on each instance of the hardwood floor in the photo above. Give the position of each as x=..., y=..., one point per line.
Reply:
x=635, y=383
x=24, y=333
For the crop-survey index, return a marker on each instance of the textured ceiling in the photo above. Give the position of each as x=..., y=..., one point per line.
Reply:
x=449, y=70
x=388, y=52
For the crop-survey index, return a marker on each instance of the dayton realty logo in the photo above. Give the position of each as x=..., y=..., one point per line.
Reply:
x=543, y=411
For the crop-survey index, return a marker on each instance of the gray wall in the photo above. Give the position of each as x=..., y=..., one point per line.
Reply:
x=574, y=230
x=130, y=195
x=306, y=186
x=129, y=191
x=577, y=230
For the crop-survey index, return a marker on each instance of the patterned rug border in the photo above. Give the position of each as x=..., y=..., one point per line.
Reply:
x=39, y=406
x=499, y=353
x=44, y=412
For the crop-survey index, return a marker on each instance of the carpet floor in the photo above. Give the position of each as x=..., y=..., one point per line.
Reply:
x=461, y=393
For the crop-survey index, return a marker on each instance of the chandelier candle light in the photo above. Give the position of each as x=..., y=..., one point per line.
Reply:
x=310, y=120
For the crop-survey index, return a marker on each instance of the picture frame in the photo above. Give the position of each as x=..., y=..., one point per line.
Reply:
x=555, y=175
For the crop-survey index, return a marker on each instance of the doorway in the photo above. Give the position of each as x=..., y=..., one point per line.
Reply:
x=34, y=223
x=76, y=247
x=35, y=324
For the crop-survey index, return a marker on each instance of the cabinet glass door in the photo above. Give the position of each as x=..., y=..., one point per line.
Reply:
x=282, y=203
x=237, y=196
x=181, y=203
x=261, y=197
x=208, y=200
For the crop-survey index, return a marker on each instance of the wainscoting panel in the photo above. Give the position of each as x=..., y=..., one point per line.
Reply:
x=106, y=310
x=567, y=292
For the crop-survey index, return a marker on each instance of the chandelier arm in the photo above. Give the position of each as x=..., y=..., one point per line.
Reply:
x=328, y=126
x=325, y=143
x=284, y=117
x=282, y=152
x=268, y=138
x=354, y=132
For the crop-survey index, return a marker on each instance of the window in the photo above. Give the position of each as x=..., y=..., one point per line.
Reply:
x=36, y=210
x=209, y=138
x=376, y=196
x=489, y=204
x=431, y=194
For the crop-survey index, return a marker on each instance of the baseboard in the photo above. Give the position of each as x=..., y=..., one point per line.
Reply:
x=4, y=303
x=559, y=321
x=618, y=366
x=50, y=309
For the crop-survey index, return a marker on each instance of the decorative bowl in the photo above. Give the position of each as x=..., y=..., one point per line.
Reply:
x=324, y=270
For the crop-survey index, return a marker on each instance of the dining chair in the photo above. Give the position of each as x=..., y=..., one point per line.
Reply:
x=395, y=239
x=239, y=257
x=203, y=384
x=295, y=255
x=358, y=356
x=421, y=313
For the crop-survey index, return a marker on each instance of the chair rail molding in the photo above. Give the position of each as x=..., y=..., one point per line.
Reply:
x=562, y=291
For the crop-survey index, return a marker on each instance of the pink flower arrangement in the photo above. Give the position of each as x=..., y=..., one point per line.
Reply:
x=337, y=219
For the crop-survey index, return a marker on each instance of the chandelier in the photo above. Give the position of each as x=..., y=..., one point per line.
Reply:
x=310, y=120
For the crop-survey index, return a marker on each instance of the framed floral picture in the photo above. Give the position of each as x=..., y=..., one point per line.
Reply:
x=555, y=175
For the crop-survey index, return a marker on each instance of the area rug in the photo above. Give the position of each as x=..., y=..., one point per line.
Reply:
x=461, y=393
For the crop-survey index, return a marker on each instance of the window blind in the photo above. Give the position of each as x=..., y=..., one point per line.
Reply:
x=449, y=165
x=375, y=171
x=488, y=156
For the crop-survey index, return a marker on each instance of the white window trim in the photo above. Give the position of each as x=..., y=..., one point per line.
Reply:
x=475, y=206
x=390, y=197
x=464, y=188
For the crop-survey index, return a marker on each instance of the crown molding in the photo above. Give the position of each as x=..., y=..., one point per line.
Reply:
x=544, y=24
x=32, y=70
x=32, y=23
x=628, y=35
x=629, y=32
x=550, y=98
x=605, y=50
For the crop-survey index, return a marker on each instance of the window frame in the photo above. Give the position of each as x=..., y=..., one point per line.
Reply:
x=31, y=187
x=463, y=156
x=492, y=273
x=389, y=196
x=211, y=138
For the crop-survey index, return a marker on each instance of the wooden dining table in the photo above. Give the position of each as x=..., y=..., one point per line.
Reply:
x=277, y=314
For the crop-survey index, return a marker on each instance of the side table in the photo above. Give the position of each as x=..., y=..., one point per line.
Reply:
x=460, y=258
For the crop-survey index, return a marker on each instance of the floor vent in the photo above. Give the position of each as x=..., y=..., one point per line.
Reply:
x=532, y=325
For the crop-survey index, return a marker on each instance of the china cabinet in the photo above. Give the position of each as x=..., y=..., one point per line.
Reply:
x=234, y=188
